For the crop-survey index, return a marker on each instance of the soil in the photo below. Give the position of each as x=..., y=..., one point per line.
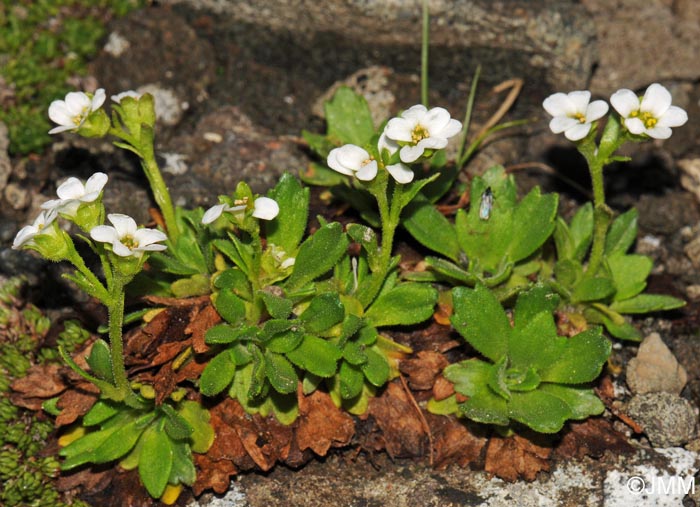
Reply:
x=233, y=78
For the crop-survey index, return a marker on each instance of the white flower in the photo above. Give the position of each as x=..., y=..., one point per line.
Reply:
x=263, y=208
x=27, y=233
x=652, y=115
x=572, y=113
x=129, y=93
x=71, y=113
x=400, y=172
x=353, y=160
x=419, y=129
x=72, y=192
x=126, y=239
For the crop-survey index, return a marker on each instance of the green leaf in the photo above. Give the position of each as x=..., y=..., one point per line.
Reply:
x=469, y=377
x=581, y=228
x=349, y=118
x=220, y=334
x=582, y=401
x=430, y=227
x=581, y=360
x=316, y=355
x=563, y=240
x=615, y=323
x=100, y=412
x=318, y=254
x=197, y=417
x=533, y=220
x=354, y=353
x=535, y=343
x=451, y=271
x=480, y=319
x=175, y=425
x=351, y=380
x=629, y=273
x=287, y=229
x=100, y=361
x=403, y=305
x=195, y=285
x=258, y=373
x=285, y=341
x=376, y=369
x=486, y=407
x=235, y=280
x=539, y=410
x=230, y=307
x=183, y=470
x=280, y=372
x=568, y=272
x=324, y=312
x=155, y=461
x=218, y=374
x=646, y=303
x=277, y=306
x=120, y=442
x=285, y=407
x=531, y=302
x=593, y=289
x=622, y=233
x=319, y=144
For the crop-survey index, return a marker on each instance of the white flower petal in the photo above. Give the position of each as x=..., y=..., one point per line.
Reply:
x=129, y=93
x=560, y=124
x=635, y=125
x=78, y=103
x=435, y=120
x=659, y=132
x=578, y=131
x=352, y=157
x=415, y=112
x=62, y=128
x=656, y=100
x=24, y=235
x=144, y=237
x=674, y=117
x=96, y=182
x=596, y=110
x=153, y=247
x=104, y=234
x=69, y=207
x=122, y=250
x=265, y=208
x=557, y=104
x=400, y=129
x=213, y=213
x=59, y=113
x=401, y=173
x=53, y=204
x=410, y=154
x=452, y=128
x=98, y=99
x=368, y=171
x=386, y=143
x=625, y=102
x=124, y=224
x=72, y=188
x=580, y=100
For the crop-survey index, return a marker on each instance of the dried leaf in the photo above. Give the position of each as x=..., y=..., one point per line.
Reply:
x=442, y=388
x=75, y=403
x=454, y=442
x=514, y=457
x=422, y=370
x=591, y=437
x=321, y=425
x=200, y=321
x=213, y=474
x=402, y=432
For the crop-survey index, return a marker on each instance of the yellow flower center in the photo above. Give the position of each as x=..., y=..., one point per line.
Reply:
x=365, y=162
x=648, y=120
x=78, y=118
x=129, y=242
x=419, y=133
x=580, y=117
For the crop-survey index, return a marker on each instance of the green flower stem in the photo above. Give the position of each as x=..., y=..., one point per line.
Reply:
x=389, y=213
x=425, y=40
x=160, y=192
x=115, y=309
x=98, y=290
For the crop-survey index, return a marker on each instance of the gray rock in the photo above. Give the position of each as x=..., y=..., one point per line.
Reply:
x=636, y=39
x=655, y=369
x=667, y=420
x=516, y=38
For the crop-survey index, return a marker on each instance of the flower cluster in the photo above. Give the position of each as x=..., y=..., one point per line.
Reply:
x=651, y=115
x=415, y=135
x=125, y=238
x=71, y=113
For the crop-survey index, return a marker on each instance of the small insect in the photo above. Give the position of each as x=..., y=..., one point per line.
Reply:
x=486, y=204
